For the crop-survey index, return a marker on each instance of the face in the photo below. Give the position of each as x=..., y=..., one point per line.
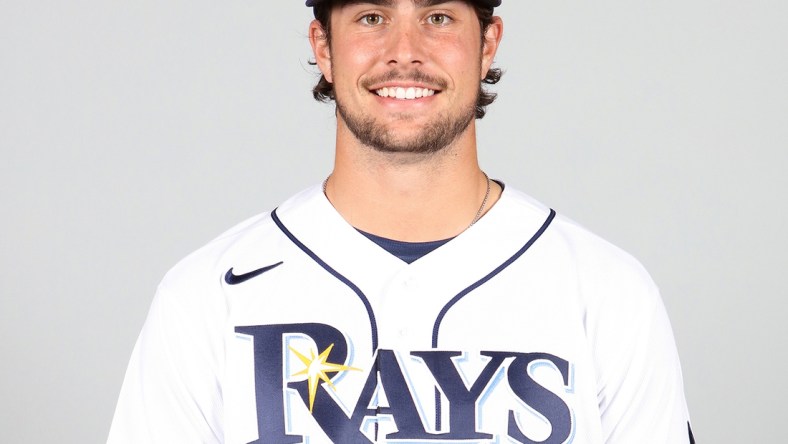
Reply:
x=406, y=74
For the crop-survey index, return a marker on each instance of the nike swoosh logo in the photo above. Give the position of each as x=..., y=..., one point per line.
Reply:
x=235, y=279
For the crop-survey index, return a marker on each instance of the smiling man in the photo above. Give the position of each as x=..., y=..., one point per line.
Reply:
x=406, y=80
x=407, y=297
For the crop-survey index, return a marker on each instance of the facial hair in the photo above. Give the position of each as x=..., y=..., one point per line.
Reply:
x=436, y=135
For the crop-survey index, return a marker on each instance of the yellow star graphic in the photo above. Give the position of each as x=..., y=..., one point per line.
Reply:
x=316, y=369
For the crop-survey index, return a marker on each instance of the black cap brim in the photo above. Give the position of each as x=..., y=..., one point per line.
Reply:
x=490, y=3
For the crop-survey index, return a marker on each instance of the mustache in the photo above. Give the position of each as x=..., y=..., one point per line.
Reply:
x=411, y=76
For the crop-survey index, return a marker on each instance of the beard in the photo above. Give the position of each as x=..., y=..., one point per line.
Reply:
x=436, y=135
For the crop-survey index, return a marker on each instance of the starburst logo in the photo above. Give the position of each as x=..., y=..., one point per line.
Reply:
x=316, y=370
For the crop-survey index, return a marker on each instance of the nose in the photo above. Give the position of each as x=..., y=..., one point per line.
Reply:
x=405, y=45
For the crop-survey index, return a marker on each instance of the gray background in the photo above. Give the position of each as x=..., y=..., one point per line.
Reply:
x=131, y=133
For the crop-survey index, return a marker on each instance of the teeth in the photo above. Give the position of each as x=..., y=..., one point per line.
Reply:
x=405, y=93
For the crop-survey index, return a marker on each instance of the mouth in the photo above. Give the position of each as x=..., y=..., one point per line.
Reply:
x=405, y=93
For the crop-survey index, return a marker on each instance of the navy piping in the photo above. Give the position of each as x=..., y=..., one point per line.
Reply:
x=336, y=274
x=491, y=275
x=475, y=285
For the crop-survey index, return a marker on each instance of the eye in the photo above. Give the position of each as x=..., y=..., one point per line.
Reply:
x=372, y=19
x=439, y=19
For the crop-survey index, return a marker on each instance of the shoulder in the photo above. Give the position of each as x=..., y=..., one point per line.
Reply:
x=602, y=271
x=597, y=256
x=204, y=265
x=575, y=236
x=249, y=245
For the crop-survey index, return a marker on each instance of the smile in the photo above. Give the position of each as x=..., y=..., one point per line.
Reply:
x=410, y=93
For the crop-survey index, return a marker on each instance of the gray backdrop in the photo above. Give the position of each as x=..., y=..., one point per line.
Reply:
x=131, y=133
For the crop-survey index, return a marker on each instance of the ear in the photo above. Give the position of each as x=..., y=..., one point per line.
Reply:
x=320, y=48
x=492, y=39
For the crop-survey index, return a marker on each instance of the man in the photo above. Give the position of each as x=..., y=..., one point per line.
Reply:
x=407, y=298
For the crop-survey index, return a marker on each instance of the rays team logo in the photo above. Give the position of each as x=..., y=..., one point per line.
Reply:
x=310, y=385
x=317, y=369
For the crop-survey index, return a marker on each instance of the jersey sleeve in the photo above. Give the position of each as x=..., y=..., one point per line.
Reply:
x=640, y=388
x=171, y=392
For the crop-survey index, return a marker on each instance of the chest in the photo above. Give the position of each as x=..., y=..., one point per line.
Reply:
x=409, y=356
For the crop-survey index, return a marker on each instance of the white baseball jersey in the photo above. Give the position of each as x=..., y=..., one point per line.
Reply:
x=293, y=327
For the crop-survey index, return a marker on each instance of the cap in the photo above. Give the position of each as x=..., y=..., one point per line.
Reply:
x=490, y=3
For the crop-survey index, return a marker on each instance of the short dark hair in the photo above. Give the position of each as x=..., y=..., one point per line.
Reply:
x=324, y=90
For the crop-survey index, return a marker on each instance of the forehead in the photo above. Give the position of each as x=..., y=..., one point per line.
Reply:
x=393, y=3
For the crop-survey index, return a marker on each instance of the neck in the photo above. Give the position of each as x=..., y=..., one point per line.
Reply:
x=409, y=197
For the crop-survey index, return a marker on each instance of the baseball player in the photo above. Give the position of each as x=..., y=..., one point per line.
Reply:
x=407, y=298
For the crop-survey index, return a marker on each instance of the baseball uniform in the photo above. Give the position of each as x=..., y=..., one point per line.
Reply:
x=293, y=327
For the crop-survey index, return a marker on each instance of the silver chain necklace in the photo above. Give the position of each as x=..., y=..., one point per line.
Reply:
x=484, y=202
x=478, y=213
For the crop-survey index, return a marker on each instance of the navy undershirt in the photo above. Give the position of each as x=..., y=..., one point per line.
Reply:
x=409, y=252
x=406, y=251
